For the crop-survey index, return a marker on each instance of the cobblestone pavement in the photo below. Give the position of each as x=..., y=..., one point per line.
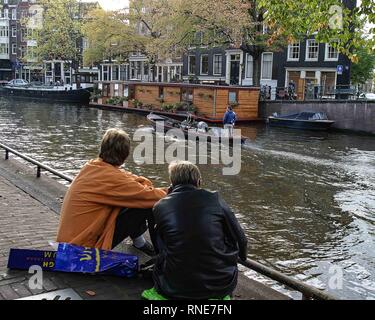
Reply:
x=26, y=223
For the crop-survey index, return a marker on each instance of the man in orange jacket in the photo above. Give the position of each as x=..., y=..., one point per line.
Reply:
x=106, y=204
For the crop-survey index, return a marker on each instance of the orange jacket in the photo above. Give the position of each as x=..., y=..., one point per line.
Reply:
x=94, y=200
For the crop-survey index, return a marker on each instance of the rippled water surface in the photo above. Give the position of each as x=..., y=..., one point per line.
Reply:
x=306, y=200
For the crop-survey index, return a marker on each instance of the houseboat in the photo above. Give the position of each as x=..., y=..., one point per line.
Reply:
x=25, y=90
x=208, y=102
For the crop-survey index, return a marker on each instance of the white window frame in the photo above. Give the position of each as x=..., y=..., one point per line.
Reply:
x=247, y=66
x=308, y=51
x=191, y=55
x=201, y=64
x=326, y=58
x=14, y=48
x=14, y=32
x=262, y=72
x=290, y=51
x=213, y=64
x=14, y=14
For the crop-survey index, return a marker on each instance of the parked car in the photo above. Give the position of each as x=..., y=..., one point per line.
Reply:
x=18, y=83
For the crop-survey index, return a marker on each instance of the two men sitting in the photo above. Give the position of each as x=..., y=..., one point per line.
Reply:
x=197, y=239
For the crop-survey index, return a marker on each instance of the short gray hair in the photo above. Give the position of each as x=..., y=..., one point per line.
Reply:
x=184, y=172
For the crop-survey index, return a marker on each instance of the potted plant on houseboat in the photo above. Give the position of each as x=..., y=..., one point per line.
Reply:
x=125, y=102
x=95, y=95
x=234, y=104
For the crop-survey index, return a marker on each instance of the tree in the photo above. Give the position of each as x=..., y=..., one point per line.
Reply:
x=256, y=26
x=109, y=36
x=329, y=21
x=364, y=69
x=60, y=33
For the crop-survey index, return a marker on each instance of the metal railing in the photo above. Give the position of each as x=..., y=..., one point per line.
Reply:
x=40, y=166
x=308, y=292
x=310, y=93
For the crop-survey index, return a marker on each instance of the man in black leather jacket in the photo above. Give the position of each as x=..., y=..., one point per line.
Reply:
x=198, y=240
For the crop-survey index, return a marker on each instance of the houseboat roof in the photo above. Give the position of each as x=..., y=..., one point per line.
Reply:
x=181, y=84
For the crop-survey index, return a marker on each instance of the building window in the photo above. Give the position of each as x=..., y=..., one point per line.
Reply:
x=14, y=32
x=191, y=63
x=4, y=48
x=14, y=48
x=218, y=64
x=267, y=61
x=204, y=64
x=249, y=66
x=312, y=50
x=332, y=53
x=4, y=31
x=106, y=73
x=294, y=51
x=115, y=73
x=14, y=14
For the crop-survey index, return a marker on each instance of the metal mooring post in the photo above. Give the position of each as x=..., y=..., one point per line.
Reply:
x=6, y=155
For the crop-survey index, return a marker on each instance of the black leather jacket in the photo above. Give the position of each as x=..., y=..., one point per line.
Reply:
x=199, y=241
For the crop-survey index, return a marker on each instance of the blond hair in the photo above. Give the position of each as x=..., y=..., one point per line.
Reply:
x=115, y=147
x=184, y=172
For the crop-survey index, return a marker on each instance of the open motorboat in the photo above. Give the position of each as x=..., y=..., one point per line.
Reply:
x=302, y=120
x=197, y=129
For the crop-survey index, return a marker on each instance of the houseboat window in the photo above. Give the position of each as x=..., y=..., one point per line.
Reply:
x=187, y=94
x=249, y=66
x=204, y=64
x=131, y=92
x=218, y=64
x=191, y=63
x=331, y=52
x=126, y=91
x=233, y=97
x=161, y=92
x=294, y=51
x=312, y=52
x=267, y=59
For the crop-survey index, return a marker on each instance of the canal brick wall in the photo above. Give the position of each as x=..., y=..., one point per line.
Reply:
x=358, y=116
x=29, y=219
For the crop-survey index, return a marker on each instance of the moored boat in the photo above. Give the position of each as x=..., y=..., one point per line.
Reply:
x=193, y=128
x=51, y=93
x=302, y=120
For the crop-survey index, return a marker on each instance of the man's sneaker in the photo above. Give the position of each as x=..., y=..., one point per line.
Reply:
x=147, y=249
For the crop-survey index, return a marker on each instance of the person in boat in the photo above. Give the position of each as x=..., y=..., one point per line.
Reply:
x=106, y=204
x=230, y=119
x=198, y=238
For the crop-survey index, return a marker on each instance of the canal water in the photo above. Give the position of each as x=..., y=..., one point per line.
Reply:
x=306, y=200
